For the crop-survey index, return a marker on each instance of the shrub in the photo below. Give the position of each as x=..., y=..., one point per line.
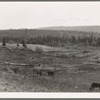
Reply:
x=4, y=41
x=39, y=50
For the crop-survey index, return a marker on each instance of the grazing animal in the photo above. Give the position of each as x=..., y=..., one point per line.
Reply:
x=15, y=70
x=38, y=72
x=50, y=73
x=95, y=85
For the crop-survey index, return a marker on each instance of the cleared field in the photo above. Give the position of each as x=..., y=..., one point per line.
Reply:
x=32, y=47
x=74, y=69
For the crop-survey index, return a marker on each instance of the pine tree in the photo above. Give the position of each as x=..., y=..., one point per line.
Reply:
x=4, y=41
x=24, y=44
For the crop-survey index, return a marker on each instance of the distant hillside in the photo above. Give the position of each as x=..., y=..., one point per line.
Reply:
x=53, y=31
x=76, y=28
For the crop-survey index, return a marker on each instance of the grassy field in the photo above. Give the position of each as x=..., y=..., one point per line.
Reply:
x=79, y=68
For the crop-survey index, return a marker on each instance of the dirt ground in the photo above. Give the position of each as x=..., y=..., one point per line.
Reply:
x=75, y=67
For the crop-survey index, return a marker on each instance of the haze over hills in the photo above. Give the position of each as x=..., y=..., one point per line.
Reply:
x=75, y=28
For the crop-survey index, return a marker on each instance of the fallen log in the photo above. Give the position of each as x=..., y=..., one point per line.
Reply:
x=15, y=64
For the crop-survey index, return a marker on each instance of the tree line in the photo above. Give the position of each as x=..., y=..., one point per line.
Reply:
x=54, y=40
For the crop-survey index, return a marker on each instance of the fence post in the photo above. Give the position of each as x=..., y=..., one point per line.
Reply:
x=26, y=77
x=33, y=72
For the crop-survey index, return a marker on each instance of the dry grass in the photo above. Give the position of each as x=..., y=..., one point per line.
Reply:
x=76, y=77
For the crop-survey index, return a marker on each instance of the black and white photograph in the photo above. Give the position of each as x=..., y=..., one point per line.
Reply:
x=50, y=47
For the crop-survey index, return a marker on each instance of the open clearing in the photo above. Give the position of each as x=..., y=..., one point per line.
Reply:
x=78, y=68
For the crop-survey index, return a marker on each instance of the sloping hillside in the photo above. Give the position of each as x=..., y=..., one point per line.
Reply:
x=75, y=28
x=20, y=33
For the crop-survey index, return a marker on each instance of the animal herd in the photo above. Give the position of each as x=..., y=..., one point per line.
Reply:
x=35, y=71
x=40, y=72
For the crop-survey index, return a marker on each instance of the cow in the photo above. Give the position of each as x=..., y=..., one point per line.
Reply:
x=38, y=72
x=95, y=85
x=51, y=73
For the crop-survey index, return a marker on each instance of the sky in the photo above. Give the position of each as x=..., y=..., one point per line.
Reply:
x=16, y=15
